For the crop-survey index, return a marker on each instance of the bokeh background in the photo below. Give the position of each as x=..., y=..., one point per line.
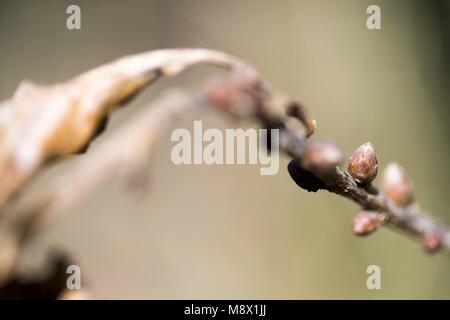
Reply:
x=225, y=231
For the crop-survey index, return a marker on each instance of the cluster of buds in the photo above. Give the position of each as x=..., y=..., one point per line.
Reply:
x=396, y=185
x=363, y=167
x=322, y=157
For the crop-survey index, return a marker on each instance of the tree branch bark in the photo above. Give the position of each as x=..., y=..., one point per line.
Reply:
x=243, y=94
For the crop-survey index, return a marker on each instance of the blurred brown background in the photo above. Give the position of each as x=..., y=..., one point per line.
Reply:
x=225, y=231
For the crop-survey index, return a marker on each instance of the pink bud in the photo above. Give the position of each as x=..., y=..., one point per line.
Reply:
x=431, y=242
x=322, y=155
x=363, y=164
x=396, y=185
x=365, y=222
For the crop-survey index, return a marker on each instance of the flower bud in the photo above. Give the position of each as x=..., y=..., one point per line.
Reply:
x=431, y=242
x=396, y=185
x=365, y=222
x=322, y=155
x=363, y=164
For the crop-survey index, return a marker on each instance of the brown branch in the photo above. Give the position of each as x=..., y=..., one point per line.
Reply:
x=140, y=136
x=409, y=219
x=243, y=94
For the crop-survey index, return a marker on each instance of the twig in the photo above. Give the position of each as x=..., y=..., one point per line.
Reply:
x=409, y=219
x=138, y=139
x=126, y=154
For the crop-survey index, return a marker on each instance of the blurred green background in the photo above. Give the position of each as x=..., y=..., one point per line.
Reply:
x=225, y=231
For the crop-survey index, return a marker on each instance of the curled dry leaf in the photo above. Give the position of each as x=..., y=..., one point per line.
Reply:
x=43, y=122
